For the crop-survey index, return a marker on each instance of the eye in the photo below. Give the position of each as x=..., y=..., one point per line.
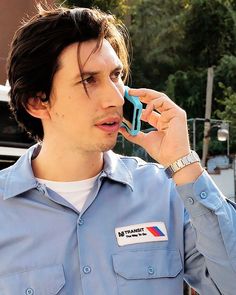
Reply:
x=117, y=75
x=88, y=80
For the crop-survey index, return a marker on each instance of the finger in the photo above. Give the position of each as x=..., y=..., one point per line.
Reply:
x=155, y=100
x=168, y=115
x=138, y=139
x=167, y=111
x=162, y=104
x=159, y=121
x=147, y=95
x=146, y=113
x=149, y=109
x=151, y=118
x=155, y=120
x=162, y=126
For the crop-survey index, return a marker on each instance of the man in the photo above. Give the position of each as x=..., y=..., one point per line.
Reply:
x=77, y=218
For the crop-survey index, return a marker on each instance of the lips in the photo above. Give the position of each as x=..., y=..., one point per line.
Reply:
x=109, y=125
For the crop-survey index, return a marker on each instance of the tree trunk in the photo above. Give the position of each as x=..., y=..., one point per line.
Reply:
x=207, y=124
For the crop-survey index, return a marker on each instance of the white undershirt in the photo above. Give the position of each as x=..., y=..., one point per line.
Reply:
x=75, y=192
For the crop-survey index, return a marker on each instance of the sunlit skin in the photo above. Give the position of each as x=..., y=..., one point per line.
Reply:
x=78, y=128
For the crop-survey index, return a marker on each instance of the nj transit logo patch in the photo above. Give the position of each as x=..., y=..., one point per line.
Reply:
x=141, y=233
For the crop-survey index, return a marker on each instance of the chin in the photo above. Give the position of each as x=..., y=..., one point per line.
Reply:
x=104, y=147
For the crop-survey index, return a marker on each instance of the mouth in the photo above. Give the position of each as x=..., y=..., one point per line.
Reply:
x=109, y=125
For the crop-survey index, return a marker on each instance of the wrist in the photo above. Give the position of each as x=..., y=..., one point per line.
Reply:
x=188, y=174
x=182, y=163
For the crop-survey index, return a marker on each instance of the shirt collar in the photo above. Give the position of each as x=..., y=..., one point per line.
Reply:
x=116, y=170
x=20, y=177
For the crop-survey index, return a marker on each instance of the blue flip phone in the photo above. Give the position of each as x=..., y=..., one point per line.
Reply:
x=132, y=111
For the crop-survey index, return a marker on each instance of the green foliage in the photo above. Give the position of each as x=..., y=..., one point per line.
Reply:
x=229, y=101
x=183, y=85
x=157, y=34
x=172, y=35
x=226, y=72
x=187, y=88
x=209, y=32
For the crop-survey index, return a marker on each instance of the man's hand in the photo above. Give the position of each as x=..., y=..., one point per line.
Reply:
x=171, y=141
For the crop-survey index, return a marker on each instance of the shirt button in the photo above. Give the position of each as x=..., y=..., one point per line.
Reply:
x=151, y=270
x=29, y=291
x=190, y=201
x=81, y=221
x=86, y=269
x=203, y=195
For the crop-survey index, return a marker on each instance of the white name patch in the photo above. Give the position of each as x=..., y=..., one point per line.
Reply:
x=141, y=233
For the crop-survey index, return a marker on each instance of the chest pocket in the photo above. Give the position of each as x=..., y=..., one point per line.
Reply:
x=41, y=281
x=148, y=272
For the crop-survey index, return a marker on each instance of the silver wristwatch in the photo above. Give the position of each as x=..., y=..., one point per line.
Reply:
x=192, y=157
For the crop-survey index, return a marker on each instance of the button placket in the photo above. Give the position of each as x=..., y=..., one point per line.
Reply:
x=151, y=270
x=29, y=291
x=190, y=201
x=81, y=221
x=86, y=269
x=203, y=195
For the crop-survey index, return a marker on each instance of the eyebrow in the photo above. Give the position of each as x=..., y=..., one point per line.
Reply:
x=93, y=73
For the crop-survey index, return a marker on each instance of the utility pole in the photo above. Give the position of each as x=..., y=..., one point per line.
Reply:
x=207, y=124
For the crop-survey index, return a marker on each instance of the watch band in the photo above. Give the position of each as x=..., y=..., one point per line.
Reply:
x=192, y=157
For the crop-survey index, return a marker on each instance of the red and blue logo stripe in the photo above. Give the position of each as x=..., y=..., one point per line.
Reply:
x=155, y=231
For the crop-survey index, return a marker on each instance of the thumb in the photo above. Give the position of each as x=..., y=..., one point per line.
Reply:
x=137, y=139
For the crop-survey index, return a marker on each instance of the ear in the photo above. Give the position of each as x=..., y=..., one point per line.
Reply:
x=38, y=107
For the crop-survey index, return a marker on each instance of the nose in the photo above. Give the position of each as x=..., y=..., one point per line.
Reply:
x=113, y=96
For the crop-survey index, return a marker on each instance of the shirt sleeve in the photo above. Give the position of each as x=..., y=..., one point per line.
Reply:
x=210, y=237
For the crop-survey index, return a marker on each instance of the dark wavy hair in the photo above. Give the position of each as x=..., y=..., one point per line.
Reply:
x=36, y=45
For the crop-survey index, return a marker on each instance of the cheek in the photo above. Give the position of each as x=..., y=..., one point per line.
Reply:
x=59, y=114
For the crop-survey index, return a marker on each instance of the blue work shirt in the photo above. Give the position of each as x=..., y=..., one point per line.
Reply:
x=48, y=247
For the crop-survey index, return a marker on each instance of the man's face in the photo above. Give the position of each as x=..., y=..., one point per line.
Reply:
x=87, y=123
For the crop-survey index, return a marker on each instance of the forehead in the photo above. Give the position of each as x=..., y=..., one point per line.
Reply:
x=89, y=58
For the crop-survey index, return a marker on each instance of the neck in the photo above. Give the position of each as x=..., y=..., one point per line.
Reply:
x=66, y=165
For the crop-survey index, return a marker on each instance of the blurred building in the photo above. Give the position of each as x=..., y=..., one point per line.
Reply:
x=11, y=14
